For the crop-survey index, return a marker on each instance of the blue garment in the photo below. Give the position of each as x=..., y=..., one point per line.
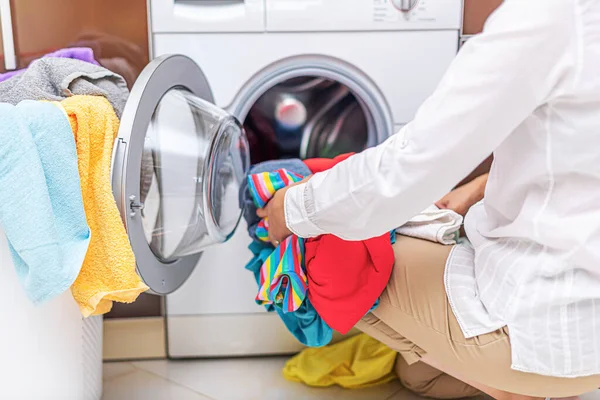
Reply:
x=41, y=207
x=246, y=202
x=305, y=324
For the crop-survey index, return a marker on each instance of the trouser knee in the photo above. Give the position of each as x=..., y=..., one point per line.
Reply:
x=427, y=381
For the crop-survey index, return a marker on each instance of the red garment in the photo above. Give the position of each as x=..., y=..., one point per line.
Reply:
x=345, y=279
x=322, y=164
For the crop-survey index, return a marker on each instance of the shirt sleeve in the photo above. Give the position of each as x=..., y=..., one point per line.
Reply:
x=525, y=57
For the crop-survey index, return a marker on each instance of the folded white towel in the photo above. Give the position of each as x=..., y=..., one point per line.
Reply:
x=435, y=225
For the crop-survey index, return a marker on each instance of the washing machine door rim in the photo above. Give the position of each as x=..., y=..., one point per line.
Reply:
x=161, y=76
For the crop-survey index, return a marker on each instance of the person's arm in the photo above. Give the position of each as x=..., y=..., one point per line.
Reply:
x=464, y=197
x=524, y=58
x=481, y=169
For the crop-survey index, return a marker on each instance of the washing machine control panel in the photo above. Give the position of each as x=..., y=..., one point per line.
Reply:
x=408, y=12
x=362, y=15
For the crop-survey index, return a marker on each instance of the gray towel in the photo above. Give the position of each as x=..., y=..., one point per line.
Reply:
x=58, y=78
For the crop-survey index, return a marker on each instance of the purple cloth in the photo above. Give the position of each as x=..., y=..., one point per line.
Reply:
x=79, y=53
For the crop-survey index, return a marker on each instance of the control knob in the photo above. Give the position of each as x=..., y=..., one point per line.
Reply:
x=405, y=5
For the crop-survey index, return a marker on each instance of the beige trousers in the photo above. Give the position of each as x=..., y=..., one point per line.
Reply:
x=414, y=317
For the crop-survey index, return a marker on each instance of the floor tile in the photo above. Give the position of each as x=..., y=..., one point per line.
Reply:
x=248, y=379
x=142, y=385
x=591, y=396
x=111, y=371
x=404, y=394
x=408, y=395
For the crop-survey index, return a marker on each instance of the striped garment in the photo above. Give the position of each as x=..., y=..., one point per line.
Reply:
x=262, y=230
x=282, y=278
x=283, y=281
x=264, y=185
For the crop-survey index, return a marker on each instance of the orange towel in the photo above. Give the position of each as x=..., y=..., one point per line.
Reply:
x=108, y=273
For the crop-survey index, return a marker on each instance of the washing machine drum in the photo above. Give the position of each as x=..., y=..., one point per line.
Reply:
x=178, y=164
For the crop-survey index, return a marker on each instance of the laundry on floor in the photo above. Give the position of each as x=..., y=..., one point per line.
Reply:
x=355, y=363
x=340, y=281
x=59, y=119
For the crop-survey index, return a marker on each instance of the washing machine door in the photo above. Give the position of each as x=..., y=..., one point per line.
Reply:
x=177, y=167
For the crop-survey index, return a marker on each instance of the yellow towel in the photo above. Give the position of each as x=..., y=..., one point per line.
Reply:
x=355, y=363
x=108, y=273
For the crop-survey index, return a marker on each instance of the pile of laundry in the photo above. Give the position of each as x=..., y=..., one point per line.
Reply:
x=324, y=284
x=58, y=122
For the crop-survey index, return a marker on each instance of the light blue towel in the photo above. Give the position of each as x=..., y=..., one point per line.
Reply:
x=41, y=207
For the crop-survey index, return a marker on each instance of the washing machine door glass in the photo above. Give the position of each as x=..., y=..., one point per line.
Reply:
x=178, y=164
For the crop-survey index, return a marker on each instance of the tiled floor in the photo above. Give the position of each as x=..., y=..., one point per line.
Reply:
x=242, y=379
x=236, y=379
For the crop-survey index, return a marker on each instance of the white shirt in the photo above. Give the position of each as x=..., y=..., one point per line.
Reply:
x=528, y=88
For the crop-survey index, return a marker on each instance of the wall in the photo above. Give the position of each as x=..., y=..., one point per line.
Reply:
x=41, y=26
x=2, y=69
x=475, y=14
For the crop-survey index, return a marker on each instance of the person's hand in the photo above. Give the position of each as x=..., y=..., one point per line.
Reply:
x=464, y=197
x=274, y=212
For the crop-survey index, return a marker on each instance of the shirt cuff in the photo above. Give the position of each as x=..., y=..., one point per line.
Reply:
x=296, y=213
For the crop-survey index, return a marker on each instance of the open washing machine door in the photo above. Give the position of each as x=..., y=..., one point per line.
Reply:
x=178, y=164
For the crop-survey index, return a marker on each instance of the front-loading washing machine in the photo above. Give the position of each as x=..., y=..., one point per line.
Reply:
x=291, y=61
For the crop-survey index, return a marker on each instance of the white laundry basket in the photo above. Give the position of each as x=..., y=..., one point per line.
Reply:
x=47, y=352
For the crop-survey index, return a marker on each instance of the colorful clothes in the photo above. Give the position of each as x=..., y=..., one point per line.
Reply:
x=264, y=185
x=346, y=278
x=262, y=231
x=317, y=165
x=283, y=281
x=282, y=278
x=247, y=203
x=304, y=324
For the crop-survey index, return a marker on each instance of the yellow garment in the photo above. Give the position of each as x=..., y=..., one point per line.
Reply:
x=108, y=273
x=355, y=363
